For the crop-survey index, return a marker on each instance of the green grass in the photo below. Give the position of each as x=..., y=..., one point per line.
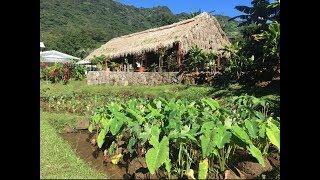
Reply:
x=80, y=98
x=80, y=87
x=58, y=120
x=172, y=90
x=57, y=159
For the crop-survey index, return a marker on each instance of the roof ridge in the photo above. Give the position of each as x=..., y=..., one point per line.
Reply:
x=204, y=14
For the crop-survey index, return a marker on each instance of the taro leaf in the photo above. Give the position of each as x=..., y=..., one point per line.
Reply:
x=273, y=134
x=157, y=155
x=96, y=118
x=116, y=158
x=221, y=137
x=215, y=152
x=262, y=130
x=206, y=141
x=137, y=115
x=227, y=122
x=167, y=164
x=185, y=132
x=241, y=134
x=101, y=137
x=104, y=123
x=145, y=135
x=112, y=148
x=154, y=139
x=255, y=101
x=154, y=113
x=260, y=115
x=158, y=104
x=173, y=135
x=211, y=102
x=115, y=125
x=194, y=128
x=252, y=128
x=203, y=169
x=131, y=144
x=255, y=152
x=207, y=126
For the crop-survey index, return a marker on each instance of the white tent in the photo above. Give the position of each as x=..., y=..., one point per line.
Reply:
x=56, y=57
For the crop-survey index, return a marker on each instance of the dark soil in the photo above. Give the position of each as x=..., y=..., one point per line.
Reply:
x=137, y=169
x=80, y=143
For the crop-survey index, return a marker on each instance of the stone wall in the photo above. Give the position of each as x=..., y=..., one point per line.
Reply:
x=130, y=78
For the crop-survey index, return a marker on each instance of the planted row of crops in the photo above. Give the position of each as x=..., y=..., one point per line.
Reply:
x=186, y=138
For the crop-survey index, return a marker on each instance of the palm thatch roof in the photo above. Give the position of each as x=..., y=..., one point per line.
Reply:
x=202, y=30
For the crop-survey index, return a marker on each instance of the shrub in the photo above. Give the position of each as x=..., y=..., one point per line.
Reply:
x=78, y=72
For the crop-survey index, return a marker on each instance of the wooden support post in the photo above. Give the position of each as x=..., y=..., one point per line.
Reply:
x=106, y=62
x=161, y=61
x=179, y=54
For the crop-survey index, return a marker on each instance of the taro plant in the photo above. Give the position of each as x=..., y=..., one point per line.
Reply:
x=181, y=136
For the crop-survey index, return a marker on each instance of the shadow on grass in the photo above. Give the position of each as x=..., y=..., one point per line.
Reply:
x=231, y=89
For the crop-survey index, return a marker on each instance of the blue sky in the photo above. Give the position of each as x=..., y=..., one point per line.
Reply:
x=224, y=7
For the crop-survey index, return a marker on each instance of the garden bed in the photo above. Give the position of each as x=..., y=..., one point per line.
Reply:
x=245, y=168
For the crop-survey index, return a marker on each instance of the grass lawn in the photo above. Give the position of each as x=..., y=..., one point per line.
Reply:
x=57, y=159
x=143, y=91
x=79, y=98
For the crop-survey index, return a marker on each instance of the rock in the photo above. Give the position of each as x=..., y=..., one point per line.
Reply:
x=274, y=161
x=253, y=169
x=93, y=142
x=228, y=174
x=83, y=124
x=68, y=129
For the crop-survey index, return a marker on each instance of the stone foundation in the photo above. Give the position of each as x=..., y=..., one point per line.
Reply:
x=130, y=78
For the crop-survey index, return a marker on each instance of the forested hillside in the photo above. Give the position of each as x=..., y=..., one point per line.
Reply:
x=77, y=27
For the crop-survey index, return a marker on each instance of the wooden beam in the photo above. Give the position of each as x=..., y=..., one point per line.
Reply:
x=179, y=54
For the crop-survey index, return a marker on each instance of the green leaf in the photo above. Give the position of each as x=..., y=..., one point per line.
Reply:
x=203, y=169
x=90, y=128
x=252, y=128
x=221, y=137
x=137, y=115
x=259, y=115
x=255, y=152
x=131, y=143
x=155, y=132
x=228, y=122
x=156, y=156
x=211, y=102
x=241, y=134
x=101, y=137
x=167, y=164
x=273, y=134
x=115, y=125
x=207, y=144
x=112, y=148
x=207, y=126
x=262, y=130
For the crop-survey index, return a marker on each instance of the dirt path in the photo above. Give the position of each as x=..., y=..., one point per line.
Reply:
x=80, y=143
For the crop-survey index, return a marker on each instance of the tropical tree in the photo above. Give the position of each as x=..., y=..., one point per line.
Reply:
x=261, y=12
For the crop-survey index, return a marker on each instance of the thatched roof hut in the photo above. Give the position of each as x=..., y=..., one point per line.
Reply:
x=202, y=30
